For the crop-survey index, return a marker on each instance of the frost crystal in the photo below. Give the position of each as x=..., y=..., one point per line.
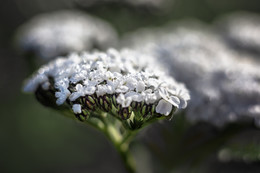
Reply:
x=59, y=33
x=92, y=81
x=224, y=86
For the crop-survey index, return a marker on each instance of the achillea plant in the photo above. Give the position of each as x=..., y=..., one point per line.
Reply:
x=116, y=92
x=225, y=96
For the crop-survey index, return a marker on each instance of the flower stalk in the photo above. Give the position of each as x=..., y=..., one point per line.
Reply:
x=120, y=138
x=110, y=92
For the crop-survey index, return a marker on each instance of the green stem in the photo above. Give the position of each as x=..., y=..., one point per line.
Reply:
x=126, y=156
x=121, y=139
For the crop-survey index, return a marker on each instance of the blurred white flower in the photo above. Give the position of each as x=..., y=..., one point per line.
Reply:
x=224, y=85
x=241, y=30
x=59, y=33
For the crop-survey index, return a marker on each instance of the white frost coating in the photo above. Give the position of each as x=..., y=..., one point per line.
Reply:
x=89, y=73
x=58, y=33
x=76, y=108
x=224, y=85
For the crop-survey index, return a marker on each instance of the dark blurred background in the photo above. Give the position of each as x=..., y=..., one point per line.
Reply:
x=35, y=139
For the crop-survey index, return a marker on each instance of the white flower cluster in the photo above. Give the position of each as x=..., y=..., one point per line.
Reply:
x=132, y=77
x=59, y=33
x=224, y=87
x=188, y=48
x=241, y=30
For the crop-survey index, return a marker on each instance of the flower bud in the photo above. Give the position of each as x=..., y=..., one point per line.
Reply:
x=125, y=113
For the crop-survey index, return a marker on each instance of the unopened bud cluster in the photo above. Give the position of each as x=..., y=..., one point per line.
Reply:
x=126, y=85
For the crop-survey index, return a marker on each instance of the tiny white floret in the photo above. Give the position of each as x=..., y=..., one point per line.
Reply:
x=124, y=101
x=76, y=108
x=140, y=86
x=164, y=107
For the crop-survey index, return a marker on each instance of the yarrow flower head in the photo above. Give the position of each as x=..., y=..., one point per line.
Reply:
x=224, y=84
x=59, y=33
x=124, y=84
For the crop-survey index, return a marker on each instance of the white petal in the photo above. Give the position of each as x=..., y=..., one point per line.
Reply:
x=175, y=101
x=130, y=94
x=79, y=87
x=122, y=89
x=163, y=93
x=62, y=96
x=32, y=84
x=101, y=90
x=120, y=98
x=131, y=83
x=109, y=89
x=76, y=108
x=74, y=96
x=164, y=107
x=150, y=98
x=183, y=103
x=152, y=82
x=140, y=86
x=90, y=90
x=125, y=102
x=135, y=96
